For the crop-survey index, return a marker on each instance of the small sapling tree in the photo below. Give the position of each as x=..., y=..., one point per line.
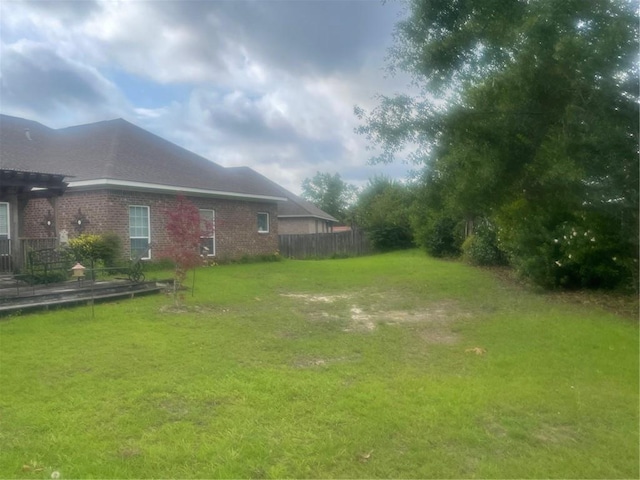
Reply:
x=185, y=230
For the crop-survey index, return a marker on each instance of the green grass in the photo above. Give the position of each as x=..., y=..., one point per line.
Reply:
x=354, y=368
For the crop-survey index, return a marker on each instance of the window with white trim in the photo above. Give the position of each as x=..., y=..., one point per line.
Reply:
x=208, y=229
x=263, y=222
x=139, y=229
x=4, y=229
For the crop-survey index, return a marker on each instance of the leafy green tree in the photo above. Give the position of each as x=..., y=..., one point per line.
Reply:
x=383, y=211
x=331, y=194
x=528, y=117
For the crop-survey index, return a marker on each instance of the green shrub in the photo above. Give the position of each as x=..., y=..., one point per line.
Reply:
x=245, y=259
x=584, y=258
x=442, y=237
x=569, y=251
x=267, y=257
x=110, y=249
x=90, y=248
x=390, y=237
x=481, y=248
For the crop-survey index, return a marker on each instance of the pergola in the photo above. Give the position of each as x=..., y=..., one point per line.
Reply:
x=17, y=187
x=28, y=185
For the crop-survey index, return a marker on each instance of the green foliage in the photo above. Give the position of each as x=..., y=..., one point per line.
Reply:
x=390, y=237
x=441, y=236
x=530, y=120
x=330, y=194
x=568, y=251
x=47, y=266
x=264, y=258
x=111, y=249
x=481, y=247
x=89, y=248
x=383, y=211
x=246, y=259
x=85, y=247
x=159, y=265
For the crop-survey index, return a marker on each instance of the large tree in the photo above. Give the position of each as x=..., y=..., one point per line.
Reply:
x=331, y=194
x=528, y=116
x=383, y=211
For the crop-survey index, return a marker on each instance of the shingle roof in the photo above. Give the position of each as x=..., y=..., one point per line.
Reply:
x=24, y=145
x=118, y=151
x=295, y=206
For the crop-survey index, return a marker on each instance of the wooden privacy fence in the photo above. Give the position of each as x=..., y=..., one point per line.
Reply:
x=322, y=245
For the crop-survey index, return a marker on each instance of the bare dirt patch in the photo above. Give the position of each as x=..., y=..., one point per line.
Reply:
x=496, y=430
x=310, y=362
x=363, y=315
x=556, y=434
x=129, y=452
x=315, y=298
x=316, y=362
x=203, y=309
x=433, y=322
x=360, y=320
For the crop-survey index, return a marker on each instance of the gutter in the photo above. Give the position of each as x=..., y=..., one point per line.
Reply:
x=309, y=215
x=82, y=185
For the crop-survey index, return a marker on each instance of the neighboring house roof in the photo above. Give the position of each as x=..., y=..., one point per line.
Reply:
x=119, y=154
x=295, y=206
x=299, y=207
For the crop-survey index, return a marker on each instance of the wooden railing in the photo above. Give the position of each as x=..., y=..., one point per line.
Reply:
x=6, y=262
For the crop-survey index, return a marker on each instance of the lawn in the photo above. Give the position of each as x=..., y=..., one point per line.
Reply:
x=394, y=365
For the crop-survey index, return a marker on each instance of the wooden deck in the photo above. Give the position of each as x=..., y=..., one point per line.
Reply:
x=16, y=296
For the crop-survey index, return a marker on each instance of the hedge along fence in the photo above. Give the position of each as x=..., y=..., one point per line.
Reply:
x=323, y=245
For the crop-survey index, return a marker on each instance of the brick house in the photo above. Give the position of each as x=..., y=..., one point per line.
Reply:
x=296, y=215
x=113, y=176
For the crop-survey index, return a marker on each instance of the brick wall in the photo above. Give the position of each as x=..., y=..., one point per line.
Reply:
x=34, y=216
x=236, y=224
x=93, y=209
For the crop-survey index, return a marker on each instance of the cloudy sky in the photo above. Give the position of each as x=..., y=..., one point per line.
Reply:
x=267, y=84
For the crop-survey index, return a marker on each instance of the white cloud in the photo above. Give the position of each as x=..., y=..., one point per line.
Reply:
x=269, y=85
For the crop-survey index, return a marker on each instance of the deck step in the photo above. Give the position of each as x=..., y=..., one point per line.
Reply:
x=28, y=299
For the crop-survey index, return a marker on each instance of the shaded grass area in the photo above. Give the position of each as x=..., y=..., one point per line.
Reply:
x=395, y=365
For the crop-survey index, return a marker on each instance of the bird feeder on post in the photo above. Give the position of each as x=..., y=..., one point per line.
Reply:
x=77, y=271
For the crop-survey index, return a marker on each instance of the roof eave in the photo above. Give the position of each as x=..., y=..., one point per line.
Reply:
x=159, y=188
x=309, y=215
